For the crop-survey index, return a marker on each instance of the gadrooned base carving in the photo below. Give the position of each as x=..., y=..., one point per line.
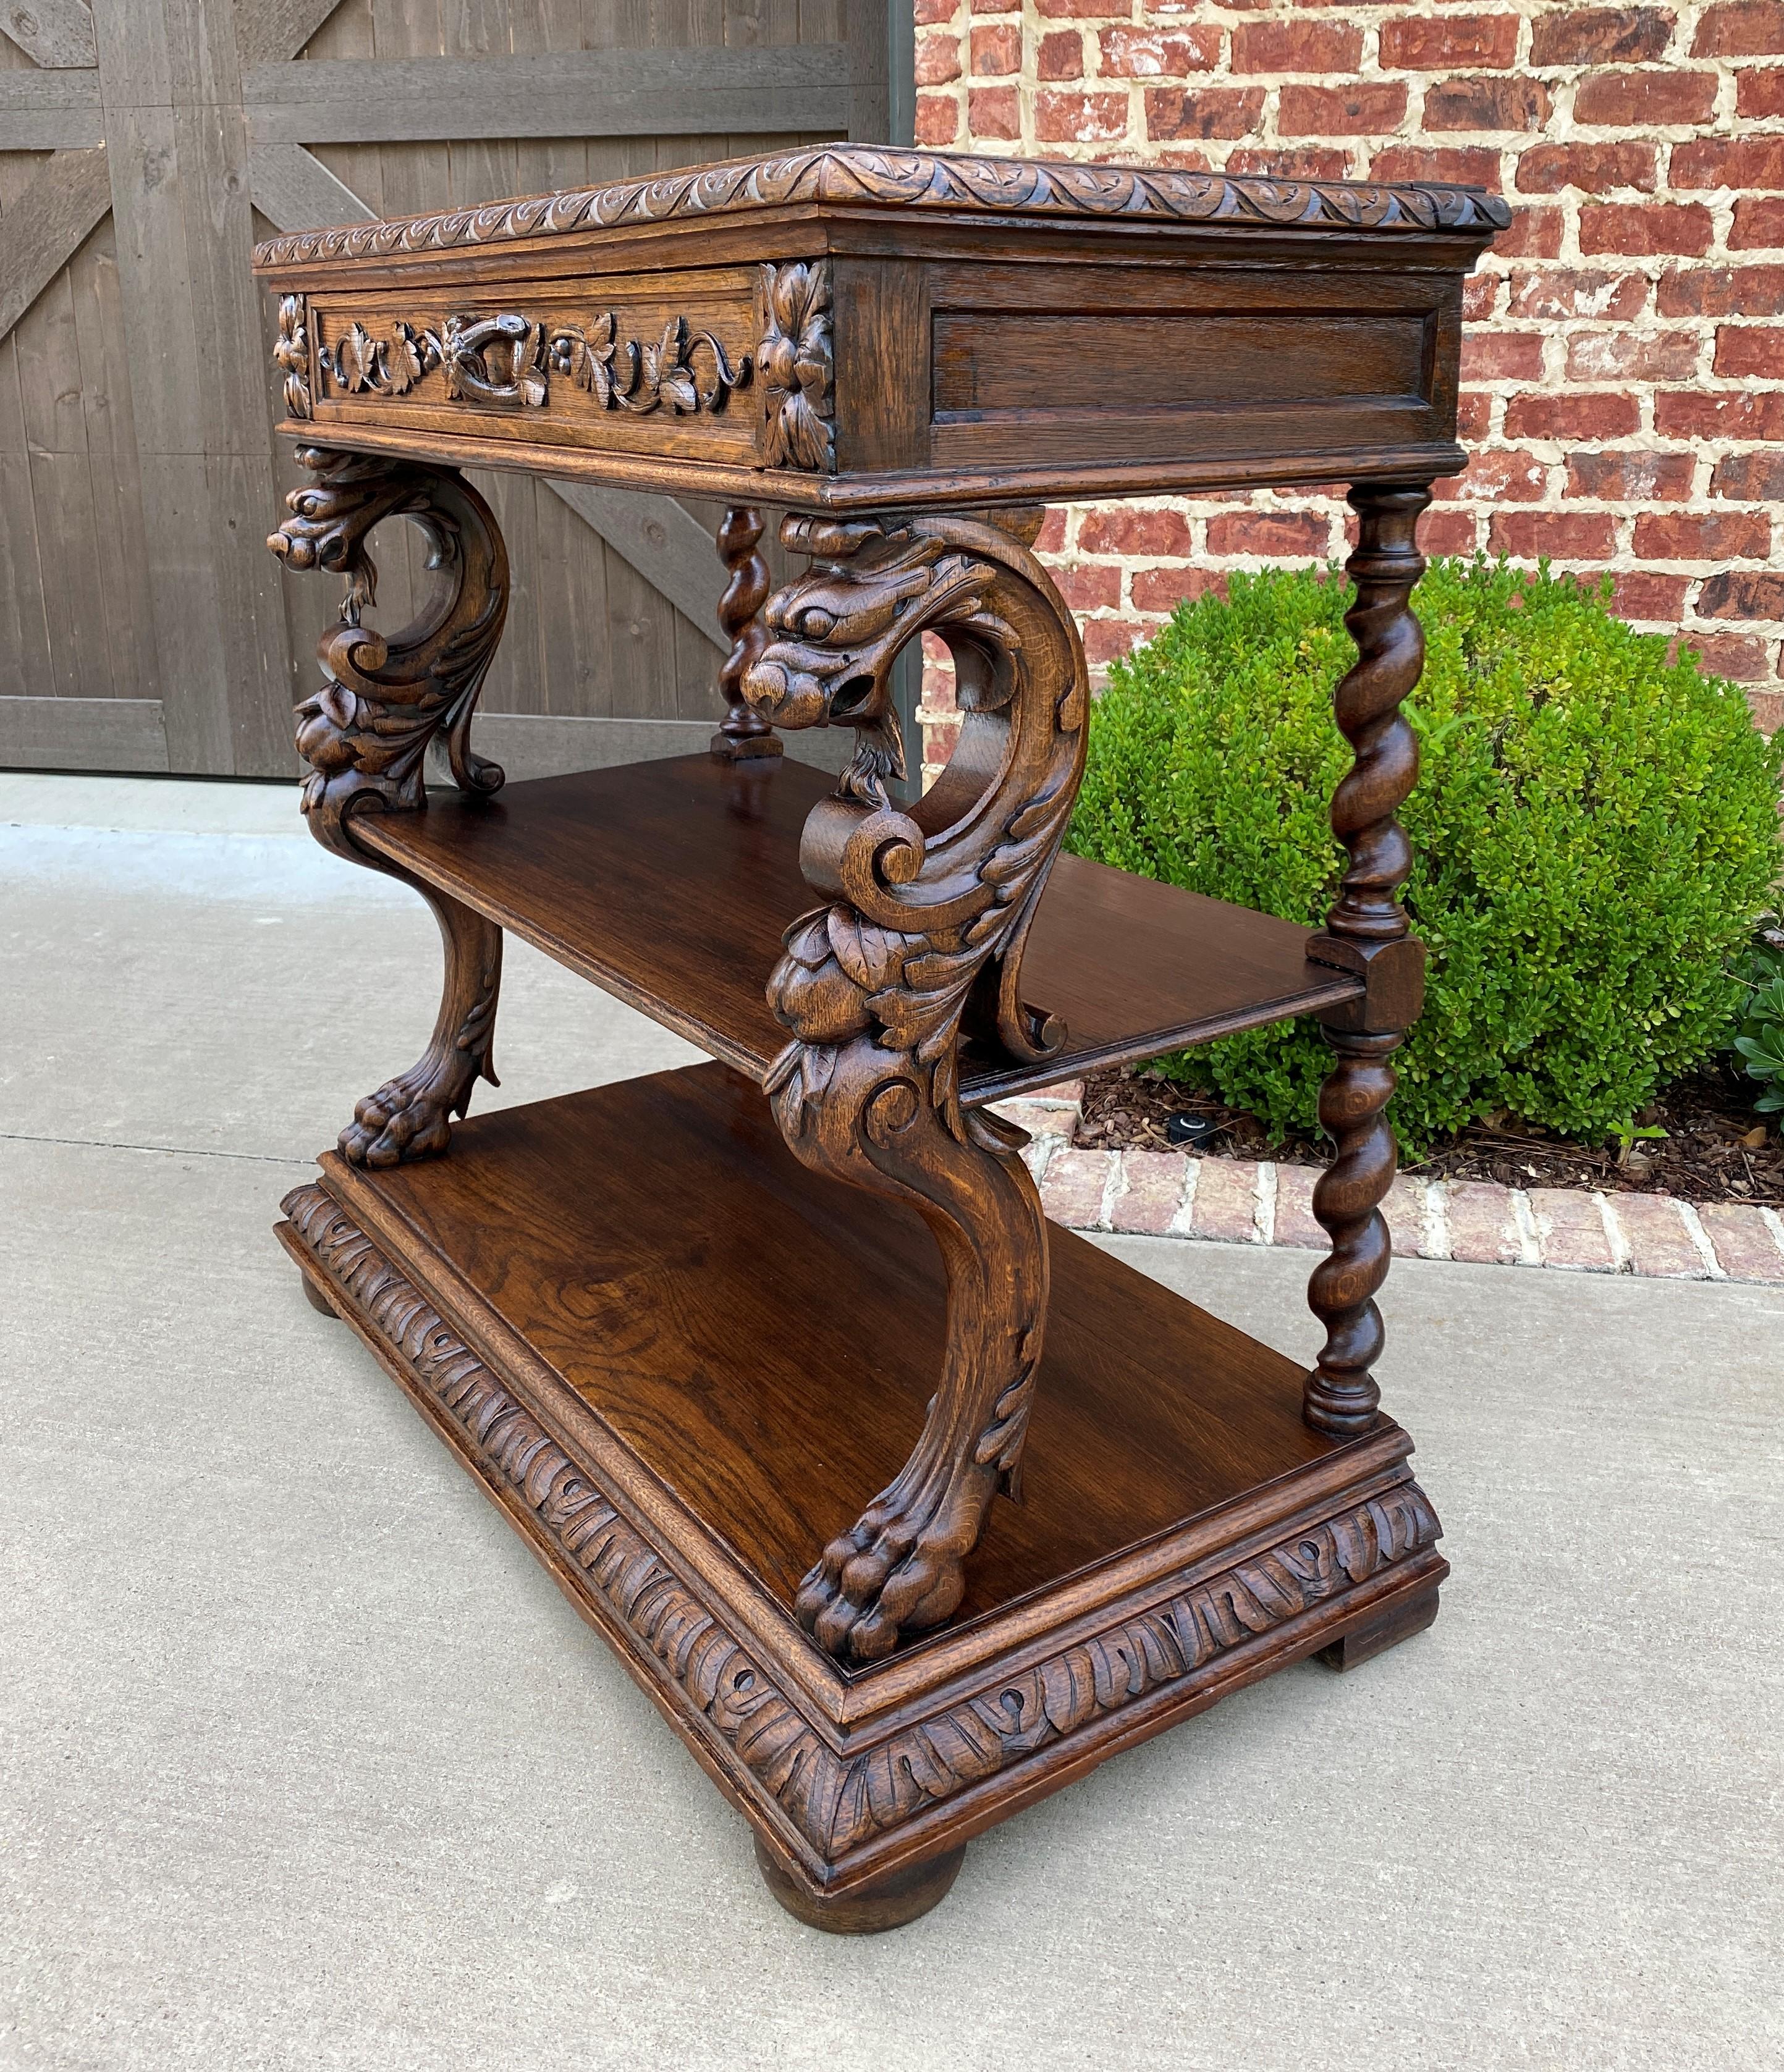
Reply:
x=829, y=1799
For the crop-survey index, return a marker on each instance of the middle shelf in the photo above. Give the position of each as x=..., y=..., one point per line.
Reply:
x=669, y=883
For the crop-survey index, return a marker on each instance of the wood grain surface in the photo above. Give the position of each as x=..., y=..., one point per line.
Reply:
x=671, y=884
x=608, y=1430
x=766, y=1340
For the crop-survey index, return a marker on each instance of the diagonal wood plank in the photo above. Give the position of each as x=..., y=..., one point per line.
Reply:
x=659, y=537
x=294, y=190
x=178, y=147
x=269, y=32
x=45, y=227
x=56, y=34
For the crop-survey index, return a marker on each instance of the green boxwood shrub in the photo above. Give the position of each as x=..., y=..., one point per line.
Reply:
x=1594, y=830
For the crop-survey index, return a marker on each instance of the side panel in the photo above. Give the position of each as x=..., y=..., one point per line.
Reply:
x=1209, y=362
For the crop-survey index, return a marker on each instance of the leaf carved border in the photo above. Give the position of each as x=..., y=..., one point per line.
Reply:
x=845, y=175
x=509, y=358
x=512, y=359
x=839, y=1802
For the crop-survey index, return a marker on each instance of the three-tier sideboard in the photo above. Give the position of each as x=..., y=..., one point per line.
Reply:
x=904, y=1508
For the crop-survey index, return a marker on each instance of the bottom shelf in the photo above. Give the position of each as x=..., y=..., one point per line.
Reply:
x=681, y=1363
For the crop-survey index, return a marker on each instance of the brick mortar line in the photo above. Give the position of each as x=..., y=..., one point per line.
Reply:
x=1048, y=79
x=1133, y=1193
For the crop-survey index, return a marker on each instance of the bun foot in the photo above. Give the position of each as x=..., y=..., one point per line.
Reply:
x=900, y=1896
x=1397, y=1622
x=317, y=1301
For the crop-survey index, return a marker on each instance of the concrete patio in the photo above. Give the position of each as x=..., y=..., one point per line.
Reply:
x=304, y=1764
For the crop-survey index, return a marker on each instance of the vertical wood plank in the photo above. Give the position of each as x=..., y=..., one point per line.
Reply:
x=24, y=632
x=351, y=31
x=572, y=668
x=177, y=148
x=514, y=684
x=868, y=31
x=483, y=169
x=114, y=469
x=49, y=371
x=24, y=629
x=641, y=644
x=48, y=360
x=69, y=559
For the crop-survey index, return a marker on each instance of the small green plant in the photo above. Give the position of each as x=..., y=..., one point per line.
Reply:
x=1629, y=1133
x=1594, y=833
x=1760, y=1041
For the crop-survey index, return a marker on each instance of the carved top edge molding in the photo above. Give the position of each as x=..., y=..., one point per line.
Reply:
x=854, y=176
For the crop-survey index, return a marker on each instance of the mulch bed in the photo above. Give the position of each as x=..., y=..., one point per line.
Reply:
x=1704, y=1156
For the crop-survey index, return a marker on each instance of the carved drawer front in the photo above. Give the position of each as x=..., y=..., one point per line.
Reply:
x=1075, y=365
x=694, y=365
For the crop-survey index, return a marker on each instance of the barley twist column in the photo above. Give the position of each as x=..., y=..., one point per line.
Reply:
x=1367, y=933
x=744, y=732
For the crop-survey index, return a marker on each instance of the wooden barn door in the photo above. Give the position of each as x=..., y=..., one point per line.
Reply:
x=144, y=146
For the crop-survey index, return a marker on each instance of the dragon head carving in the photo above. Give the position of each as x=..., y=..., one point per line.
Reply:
x=832, y=634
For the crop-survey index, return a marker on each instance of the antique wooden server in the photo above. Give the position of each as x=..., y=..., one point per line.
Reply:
x=685, y=1330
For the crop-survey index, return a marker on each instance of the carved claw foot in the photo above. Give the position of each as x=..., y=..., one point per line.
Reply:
x=410, y=1116
x=902, y=1568
x=367, y=732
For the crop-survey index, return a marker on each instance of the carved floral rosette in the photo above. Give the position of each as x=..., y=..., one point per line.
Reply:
x=797, y=357
x=292, y=354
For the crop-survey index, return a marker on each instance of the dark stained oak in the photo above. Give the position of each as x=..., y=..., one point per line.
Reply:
x=743, y=734
x=671, y=883
x=1396, y=1620
x=893, y=1902
x=764, y=1340
x=1369, y=929
x=682, y=1330
x=669, y=1352
x=986, y=331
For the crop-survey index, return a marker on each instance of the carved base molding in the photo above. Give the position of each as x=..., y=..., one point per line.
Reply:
x=852, y=1778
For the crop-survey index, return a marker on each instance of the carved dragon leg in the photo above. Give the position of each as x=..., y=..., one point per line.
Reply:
x=410, y=1116
x=367, y=732
x=917, y=948
x=1367, y=932
x=864, y=1114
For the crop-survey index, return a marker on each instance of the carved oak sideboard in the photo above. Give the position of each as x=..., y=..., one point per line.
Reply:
x=686, y=1331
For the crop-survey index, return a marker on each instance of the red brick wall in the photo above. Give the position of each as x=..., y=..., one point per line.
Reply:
x=1623, y=377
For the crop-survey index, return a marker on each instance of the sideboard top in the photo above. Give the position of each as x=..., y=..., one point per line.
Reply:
x=851, y=177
